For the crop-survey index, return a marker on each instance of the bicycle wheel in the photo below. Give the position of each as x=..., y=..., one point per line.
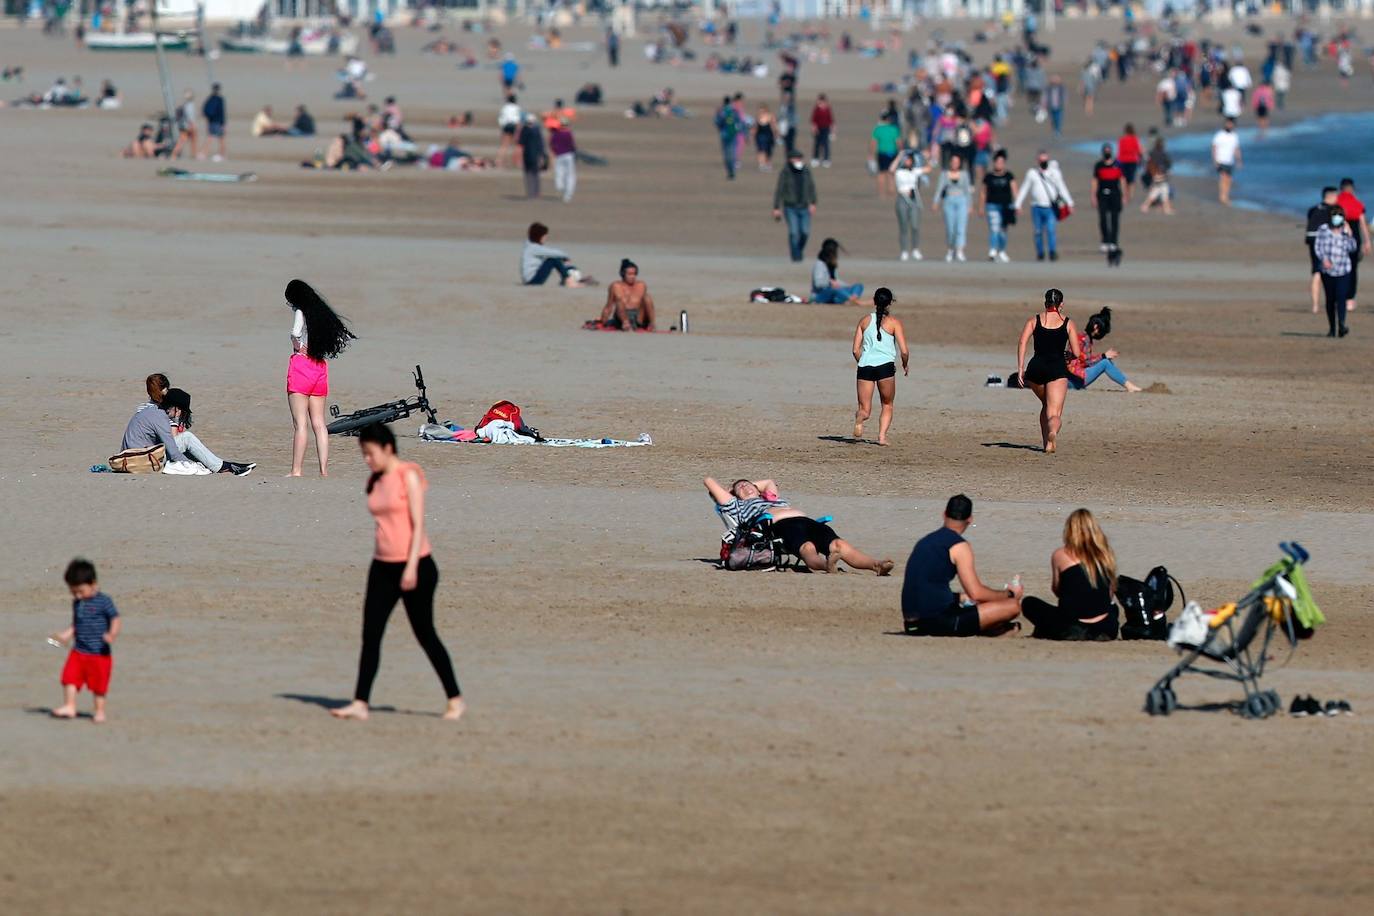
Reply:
x=357, y=420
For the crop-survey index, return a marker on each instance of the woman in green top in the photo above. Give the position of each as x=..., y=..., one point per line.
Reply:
x=887, y=136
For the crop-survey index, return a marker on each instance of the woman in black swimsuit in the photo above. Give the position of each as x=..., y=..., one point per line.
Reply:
x=1048, y=373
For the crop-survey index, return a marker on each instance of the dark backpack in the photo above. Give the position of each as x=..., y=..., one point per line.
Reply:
x=750, y=548
x=1144, y=603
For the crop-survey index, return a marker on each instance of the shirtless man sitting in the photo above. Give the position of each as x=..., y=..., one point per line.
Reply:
x=628, y=303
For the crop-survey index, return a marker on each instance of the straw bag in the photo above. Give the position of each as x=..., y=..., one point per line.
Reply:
x=139, y=460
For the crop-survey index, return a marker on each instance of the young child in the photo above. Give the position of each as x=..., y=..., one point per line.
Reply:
x=95, y=626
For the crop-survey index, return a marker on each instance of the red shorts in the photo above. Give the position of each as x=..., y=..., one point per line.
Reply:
x=307, y=376
x=83, y=670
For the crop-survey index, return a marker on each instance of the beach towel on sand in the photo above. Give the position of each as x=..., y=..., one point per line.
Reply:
x=432, y=432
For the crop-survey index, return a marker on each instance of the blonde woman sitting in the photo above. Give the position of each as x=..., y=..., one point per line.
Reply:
x=1084, y=579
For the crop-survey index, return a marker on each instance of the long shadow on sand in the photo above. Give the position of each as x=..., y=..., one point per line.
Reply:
x=1020, y=445
x=1302, y=334
x=338, y=703
x=47, y=712
x=847, y=440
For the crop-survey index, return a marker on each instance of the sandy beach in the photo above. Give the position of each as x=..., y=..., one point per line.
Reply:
x=647, y=733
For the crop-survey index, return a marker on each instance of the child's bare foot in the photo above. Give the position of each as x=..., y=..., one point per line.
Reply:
x=832, y=562
x=885, y=568
x=455, y=710
x=64, y=712
x=99, y=717
x=355, y=710
x=295, y=474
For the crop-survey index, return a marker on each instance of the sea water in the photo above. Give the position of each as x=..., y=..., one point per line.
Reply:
x=1285, y=170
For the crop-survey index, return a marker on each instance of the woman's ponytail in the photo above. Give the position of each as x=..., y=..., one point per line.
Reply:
x=882, y=298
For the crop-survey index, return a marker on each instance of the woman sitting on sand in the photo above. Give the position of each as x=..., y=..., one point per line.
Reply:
x=826, y=287
x=538, y=261
x=1083, y=577
x=1089, y=366
x=143, y=146
x=817, y=544
x=1048, y=374
x=166, y=420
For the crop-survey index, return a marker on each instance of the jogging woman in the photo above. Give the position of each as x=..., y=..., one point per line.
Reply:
x=317, y=334
x=402, y=568
x=1083, y=577
x=1048, y=374
x=877, y=341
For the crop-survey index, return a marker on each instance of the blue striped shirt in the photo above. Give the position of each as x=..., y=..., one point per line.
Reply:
x=91, y=620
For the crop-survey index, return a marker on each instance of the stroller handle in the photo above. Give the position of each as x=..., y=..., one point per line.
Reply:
x=1295, y=552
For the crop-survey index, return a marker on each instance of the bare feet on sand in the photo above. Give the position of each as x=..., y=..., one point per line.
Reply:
x=99, y=717
x=885, y=568
x=64, y=712
x=832, y=562
x=858, y=430
x=455, y=710
x=1132, y=387
x=355, y=710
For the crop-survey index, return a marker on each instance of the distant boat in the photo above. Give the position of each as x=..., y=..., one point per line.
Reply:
x=311, y=46
x=136, y=41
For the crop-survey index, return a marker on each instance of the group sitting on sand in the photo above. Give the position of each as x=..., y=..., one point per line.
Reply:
x=165, y=419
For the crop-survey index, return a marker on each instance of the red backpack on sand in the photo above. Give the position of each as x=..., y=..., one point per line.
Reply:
x=502, y=410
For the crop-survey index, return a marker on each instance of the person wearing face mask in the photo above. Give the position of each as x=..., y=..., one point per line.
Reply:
x=1333, y=246
x=1107, y=192
x=994, y=202
x=1045, y=188
x=794, y=197
x=908, y=173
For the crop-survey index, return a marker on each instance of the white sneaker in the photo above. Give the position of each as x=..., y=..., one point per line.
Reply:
x=916, y=254
x=185, y=468
x=216, y=158
x=1002, y=256
x=815, y=163
x=826, y=164
x=949, y=255
x=905, y=256
x=959, y=255
x=992, y=254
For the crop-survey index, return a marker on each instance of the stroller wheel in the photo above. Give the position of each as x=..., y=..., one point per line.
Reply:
x=1256, y=707
x=1154, y=702
x=1170, y=700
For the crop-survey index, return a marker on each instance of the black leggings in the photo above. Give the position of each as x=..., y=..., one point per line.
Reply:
x=383, y=588
x=1109, y=224
x=1053, y=622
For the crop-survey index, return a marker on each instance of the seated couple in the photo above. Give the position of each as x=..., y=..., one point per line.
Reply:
x=629, y=306
x=265, y=125
x=166, y=420
x=1083, y=576
x=817, y=544
x=539, y=261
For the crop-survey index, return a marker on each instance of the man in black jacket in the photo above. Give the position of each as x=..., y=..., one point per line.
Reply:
x=794, y=197
x=1317, y=217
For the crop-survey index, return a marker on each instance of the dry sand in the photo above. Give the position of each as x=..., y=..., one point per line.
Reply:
x=647, y=733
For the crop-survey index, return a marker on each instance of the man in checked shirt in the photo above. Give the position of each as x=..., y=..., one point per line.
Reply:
x=1333, y=246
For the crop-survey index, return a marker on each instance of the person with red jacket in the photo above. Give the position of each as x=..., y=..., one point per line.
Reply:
x=1129, y=155
x=822, y=123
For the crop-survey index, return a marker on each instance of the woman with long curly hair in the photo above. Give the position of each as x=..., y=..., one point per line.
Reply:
x=317, y=334
x=1083, y=577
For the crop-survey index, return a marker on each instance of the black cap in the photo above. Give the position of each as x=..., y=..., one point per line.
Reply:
x=959, y=508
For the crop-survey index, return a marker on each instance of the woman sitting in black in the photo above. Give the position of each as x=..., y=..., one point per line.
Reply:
x=1084, y=578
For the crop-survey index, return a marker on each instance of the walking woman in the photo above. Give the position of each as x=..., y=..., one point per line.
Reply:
x=909, y=173
x=402, y=568
x=317, y=334
x=877, y=341
x=765, y=136
x=1082, y=577
x=1048, y=374
x=952, y=193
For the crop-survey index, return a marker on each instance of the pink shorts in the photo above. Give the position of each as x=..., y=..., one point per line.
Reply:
x=307, y=376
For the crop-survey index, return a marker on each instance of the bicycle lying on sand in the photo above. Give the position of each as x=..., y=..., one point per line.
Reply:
x=350, y=424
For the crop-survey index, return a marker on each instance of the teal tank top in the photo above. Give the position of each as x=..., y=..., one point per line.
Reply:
x=877, y=352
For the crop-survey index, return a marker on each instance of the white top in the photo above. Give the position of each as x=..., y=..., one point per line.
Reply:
x=1240, y=77
x=1167, y=88
x=1231, y=102
x=1225, y=145
x=300, y=335
x=1042, y=187
x=1283, y=78
x=508, y=115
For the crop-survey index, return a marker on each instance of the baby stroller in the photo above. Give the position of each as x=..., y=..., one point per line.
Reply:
x=1223, y=643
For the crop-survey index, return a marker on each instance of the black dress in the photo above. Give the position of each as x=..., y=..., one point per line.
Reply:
x=1078, y=599
x=1048, y=363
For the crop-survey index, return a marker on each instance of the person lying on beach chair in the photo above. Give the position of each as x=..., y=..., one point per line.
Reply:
x=628, y=303
x=816, y=543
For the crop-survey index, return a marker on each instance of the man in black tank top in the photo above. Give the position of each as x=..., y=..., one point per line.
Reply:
x=930, y=607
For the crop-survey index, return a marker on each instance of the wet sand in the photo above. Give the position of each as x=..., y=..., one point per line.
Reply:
x=647, y=733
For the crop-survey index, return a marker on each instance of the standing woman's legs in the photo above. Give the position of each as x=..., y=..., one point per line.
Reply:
x=951, y=229
x=1054, y=410
x=301, y=426
x=316, y=406
x=865, y=393
x=887, y=392
x=961, y=223
x=420, y=609
x=1039, y=391
x=904, y=224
